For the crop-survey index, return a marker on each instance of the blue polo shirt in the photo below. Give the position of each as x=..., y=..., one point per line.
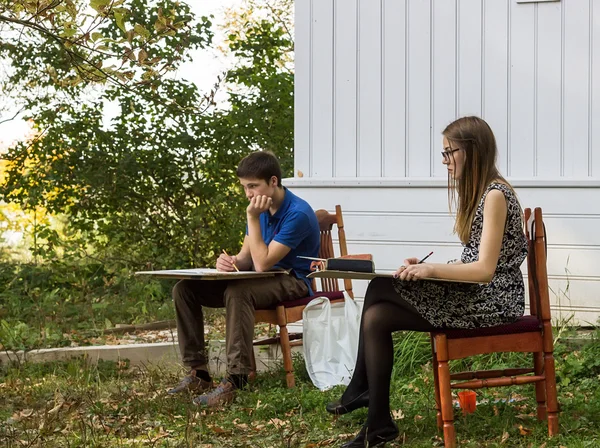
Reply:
x=294, y=225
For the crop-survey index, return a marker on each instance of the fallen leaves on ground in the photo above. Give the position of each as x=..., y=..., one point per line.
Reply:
x=326, y=442
x=218, y=430
x=524, y=431
x=398, y=414
x=239, y=425
x=277, y=422
x=525, y=416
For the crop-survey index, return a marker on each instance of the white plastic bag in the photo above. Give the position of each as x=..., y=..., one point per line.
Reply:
x=330, y=340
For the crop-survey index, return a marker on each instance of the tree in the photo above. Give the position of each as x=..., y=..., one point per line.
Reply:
x=260, y=35
x=158, y=185
x=126, y=42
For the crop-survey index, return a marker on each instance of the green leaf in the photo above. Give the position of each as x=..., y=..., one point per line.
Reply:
x=120, y=20
x=69, y=30
x=99, y=5
x=141, y=31
x=71, y=9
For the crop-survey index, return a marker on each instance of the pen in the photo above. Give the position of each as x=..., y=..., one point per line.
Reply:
x=425, y=257
x=236, y=268
x=311, y=258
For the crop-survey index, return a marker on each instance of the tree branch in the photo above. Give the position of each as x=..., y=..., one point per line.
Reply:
x=280, y=20
x=14, y=116
x=76, y=56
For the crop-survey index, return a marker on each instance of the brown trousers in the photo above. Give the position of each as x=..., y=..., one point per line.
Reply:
x=239, y=298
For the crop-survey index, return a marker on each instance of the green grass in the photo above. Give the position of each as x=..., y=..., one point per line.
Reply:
x=74, y=404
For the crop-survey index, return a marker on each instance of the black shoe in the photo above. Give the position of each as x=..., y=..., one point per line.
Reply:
x=336, y=407
x=374, y=438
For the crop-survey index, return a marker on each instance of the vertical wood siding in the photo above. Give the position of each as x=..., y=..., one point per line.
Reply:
x=377, y=81
x=397, y=220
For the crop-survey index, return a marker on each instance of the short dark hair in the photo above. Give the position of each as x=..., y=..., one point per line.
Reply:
x=260, y=165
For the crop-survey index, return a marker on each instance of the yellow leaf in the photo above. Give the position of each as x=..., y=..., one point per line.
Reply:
x=57, y=407
x=524, y=431
x=277, y=422
x=142, y=56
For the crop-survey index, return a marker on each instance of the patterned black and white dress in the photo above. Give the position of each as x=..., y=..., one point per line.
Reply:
x=464, y=305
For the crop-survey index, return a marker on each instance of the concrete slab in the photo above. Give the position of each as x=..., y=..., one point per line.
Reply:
x=267, y=357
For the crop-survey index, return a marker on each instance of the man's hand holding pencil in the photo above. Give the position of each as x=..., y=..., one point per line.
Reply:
x=226, y=263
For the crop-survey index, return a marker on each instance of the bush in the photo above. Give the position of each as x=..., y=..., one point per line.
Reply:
x=42, y=304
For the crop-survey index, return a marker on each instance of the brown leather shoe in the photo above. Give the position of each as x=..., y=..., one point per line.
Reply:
x=224, y=393
x=192, y=383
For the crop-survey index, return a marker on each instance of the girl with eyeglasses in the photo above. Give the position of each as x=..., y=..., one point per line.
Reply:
x=483, y=288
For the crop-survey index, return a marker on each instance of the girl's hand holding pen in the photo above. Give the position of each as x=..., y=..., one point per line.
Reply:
x=414, y=269
x=414, y=272
x=407, y=262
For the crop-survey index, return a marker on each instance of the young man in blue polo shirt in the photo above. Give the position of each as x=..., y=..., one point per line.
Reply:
x=280, y=226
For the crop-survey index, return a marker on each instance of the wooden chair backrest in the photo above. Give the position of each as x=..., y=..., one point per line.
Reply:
x=326, y=222
x=539, y=298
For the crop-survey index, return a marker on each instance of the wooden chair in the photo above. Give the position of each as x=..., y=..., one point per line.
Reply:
x=531, y=334
x=291, y=311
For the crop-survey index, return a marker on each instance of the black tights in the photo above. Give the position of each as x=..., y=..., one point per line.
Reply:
x=384, y=312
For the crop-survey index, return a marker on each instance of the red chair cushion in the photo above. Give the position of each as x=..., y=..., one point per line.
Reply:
x=331, y=295
x=524, y=324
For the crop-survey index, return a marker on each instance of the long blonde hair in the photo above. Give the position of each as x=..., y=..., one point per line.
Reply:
x=475, y=137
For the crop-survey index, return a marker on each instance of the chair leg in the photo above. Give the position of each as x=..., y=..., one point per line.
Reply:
x=551, y=399
x=540, y=387
x=436, y=382
x=252, y=374
x=286, y=351
x=446, y=404
x=445, y=392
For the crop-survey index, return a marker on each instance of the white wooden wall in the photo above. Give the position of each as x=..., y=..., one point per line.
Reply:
x=397, y=219
x=378, y=80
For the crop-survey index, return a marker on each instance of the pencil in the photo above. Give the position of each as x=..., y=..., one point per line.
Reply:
x=226, y=254
x=425, y=257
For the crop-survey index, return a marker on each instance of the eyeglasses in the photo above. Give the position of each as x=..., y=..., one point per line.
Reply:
x=446, y=154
